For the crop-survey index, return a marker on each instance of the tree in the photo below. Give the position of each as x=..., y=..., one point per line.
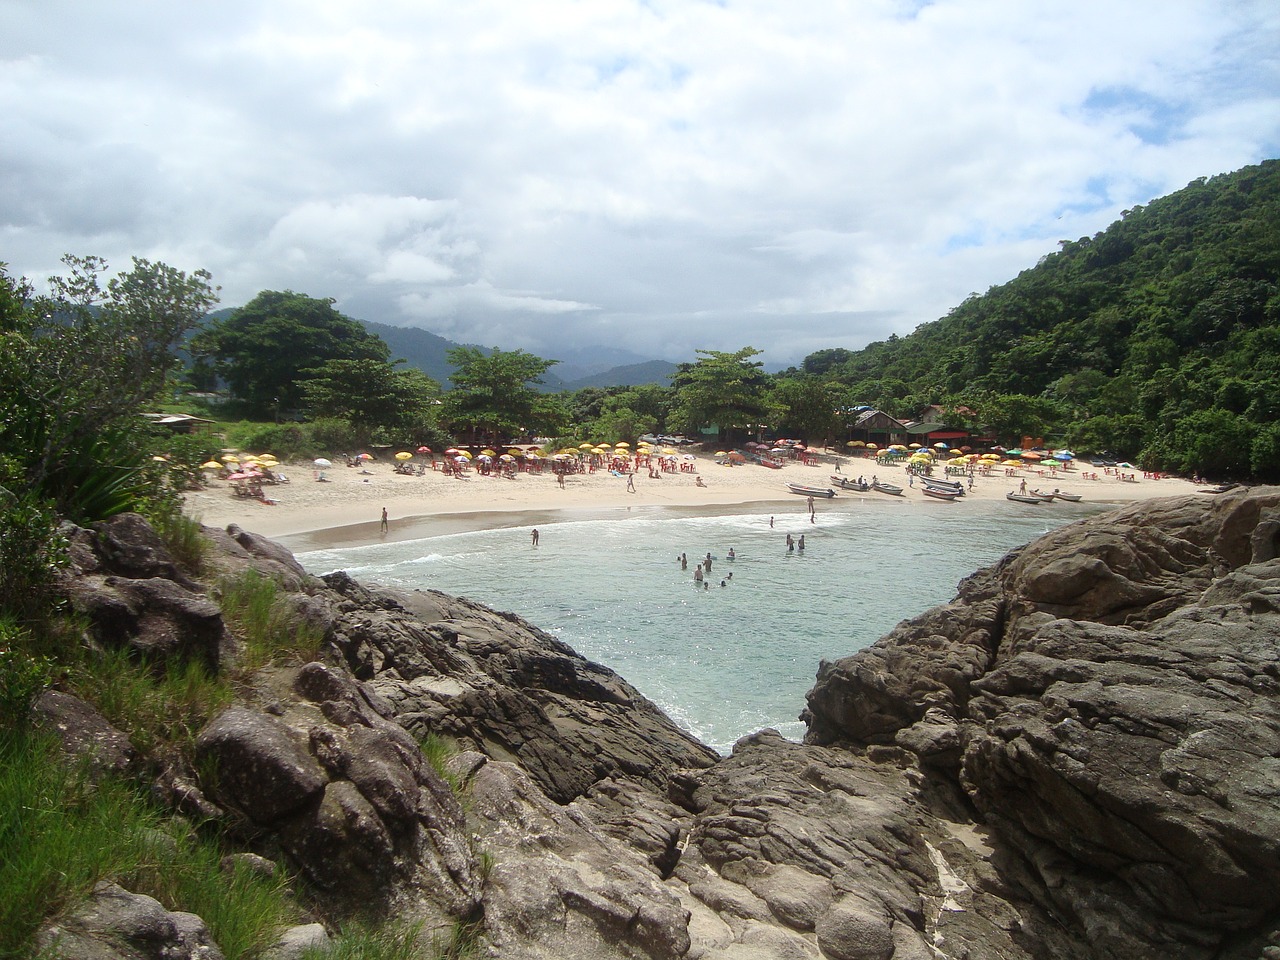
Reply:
x=810, y=407
x=493, y=396
x=728, y=390
x=262, y=349
x=77, y=368
x=369, y=393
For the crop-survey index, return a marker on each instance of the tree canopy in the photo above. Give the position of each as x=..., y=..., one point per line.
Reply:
x=1134, y=341
x=265, y=349
x=727, y=390
x=494, y=394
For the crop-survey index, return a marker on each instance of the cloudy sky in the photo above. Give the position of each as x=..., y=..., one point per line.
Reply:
x=654, y=176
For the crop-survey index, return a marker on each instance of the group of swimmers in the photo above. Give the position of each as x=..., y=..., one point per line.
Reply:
x=702, y=570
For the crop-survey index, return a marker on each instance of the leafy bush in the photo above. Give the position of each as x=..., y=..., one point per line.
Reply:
x=23, y=675
x=31, y=551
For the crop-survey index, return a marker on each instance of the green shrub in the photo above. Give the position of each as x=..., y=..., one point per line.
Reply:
x=438, y=751
x=31, y=551
x=23, y=675
x=288, y=441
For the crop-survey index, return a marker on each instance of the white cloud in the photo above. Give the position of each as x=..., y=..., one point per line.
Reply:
x=659, y=176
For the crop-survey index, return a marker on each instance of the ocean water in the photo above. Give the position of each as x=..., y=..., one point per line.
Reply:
x=723, y=661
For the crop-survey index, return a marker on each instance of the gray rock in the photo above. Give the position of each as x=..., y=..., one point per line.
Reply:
x=854, y=930
x=114, y=924
x=85, y=733
x=296, y=941
x=262, y=768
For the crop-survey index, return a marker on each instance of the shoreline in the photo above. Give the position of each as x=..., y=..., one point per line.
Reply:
x=345, y=509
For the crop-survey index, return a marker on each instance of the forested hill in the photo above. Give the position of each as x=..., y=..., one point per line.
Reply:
x=1158, y=339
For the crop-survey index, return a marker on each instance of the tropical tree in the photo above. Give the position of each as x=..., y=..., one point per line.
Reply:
x=494, y=396
x=809, y=407
x=369, y=393
x=263, y=349
x=727, y=390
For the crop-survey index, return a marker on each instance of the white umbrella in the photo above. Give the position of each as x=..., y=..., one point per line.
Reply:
x=321, y=464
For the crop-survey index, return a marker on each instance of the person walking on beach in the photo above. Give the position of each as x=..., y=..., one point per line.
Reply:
x=382, y=528
x=631, y=483
x=771, y=523
x=533, y=537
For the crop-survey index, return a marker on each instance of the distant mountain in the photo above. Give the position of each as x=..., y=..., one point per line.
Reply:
x=576, y=369
x=628, y=375
x=419, y=348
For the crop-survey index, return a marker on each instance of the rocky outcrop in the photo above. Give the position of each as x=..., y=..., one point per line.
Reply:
x=1108, y=706
x=1075, y=758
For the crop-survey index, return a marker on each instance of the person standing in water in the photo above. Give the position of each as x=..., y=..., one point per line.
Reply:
x=383, y=526
x=533, y=537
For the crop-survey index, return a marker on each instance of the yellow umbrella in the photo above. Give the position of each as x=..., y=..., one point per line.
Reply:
x=585, y=446
x=599, y=451
x=464, y=453
x=403, y=455
x=230, y=458
x=870, y=446
x=916, y=446
x=488, y=453
x=622, y=443
x=211, y=465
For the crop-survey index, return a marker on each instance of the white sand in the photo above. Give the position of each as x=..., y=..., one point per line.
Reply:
x=351, y=501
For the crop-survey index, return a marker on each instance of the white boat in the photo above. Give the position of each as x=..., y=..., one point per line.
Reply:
x=1023, y=498
x=807, y=491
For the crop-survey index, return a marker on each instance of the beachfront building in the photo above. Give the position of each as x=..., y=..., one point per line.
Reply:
x=875, y=426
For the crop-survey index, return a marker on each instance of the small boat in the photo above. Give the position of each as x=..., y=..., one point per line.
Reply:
x=891, y=488
x=1046, y=497
x=940, y=494
x=844, y=483
x=807, y=491
x=1069, y=497
x=946, y=485
x=1022, y=498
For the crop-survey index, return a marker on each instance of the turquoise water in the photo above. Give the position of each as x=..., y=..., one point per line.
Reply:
x=722, y=661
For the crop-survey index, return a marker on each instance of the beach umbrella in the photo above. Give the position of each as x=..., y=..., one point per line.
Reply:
x=622, y=443
x=240, y=476
x=1064, y=455
x=916, y=446
x=424, y=449
x=941, y=445
x=466, y=455
x=507, y=458
x=489, y=453
x=211, y=465
x=485, y=458
x=1029, y=455
x=585, y=446
x=321, y=464
x=404, y=455
x=364, y=456
x=870, y=446
x=460, y=458
x=452, y=452
x=532, y=456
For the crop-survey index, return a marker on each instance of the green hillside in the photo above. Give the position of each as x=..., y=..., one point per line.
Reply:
x=1157, y=339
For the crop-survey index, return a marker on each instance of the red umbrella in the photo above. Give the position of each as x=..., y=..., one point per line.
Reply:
x=424, y=449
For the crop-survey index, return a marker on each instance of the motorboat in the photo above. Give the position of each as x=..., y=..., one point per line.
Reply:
x=932, y=483
x=844, y=483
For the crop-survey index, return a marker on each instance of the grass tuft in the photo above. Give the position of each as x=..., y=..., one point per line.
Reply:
x=269, y=626
x=60, y=834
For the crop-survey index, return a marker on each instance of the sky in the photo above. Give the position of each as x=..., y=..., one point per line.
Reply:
x=598, y=175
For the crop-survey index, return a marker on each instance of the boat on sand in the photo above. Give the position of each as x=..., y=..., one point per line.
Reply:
x=807, y=491
x=881, y=486
x=1023, y=498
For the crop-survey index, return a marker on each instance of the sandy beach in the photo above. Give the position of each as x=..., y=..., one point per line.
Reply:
x=346, y=507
